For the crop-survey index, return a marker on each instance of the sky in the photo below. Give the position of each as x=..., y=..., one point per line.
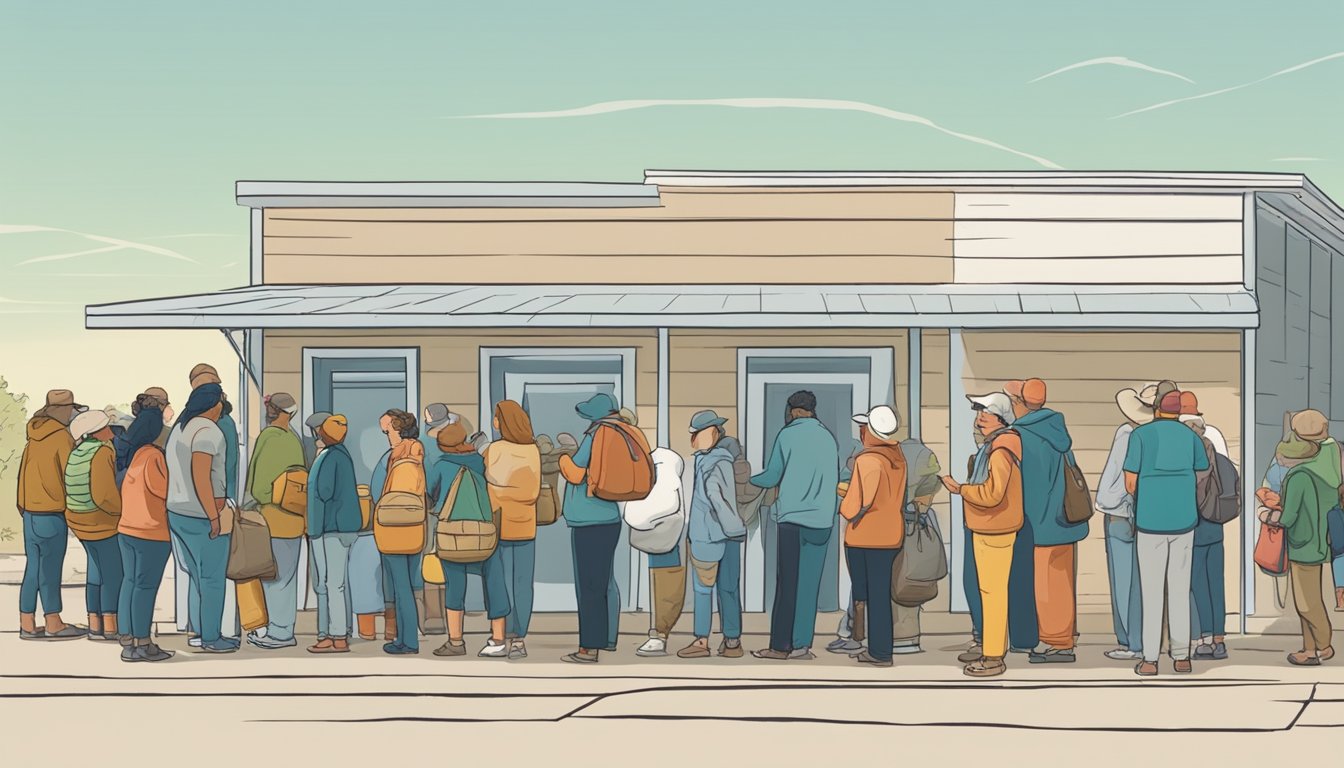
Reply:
x=125, y=125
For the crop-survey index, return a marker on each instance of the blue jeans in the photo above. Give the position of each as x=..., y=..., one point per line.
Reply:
x=493, y=584
x=399, y=569
x=800, y=560
x=1122, y=562
x=205, y=560
x=193, y=597
x=44, y=535
x=520, y=566
x=727, y=584
x=102, y=584
x=142, y=562
x=282, y=593
x=1336, y=568
x=1023, y=632
x=331, y=558
x=1207, y=591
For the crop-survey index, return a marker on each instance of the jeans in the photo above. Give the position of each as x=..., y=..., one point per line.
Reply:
x=399, y=569
x=1164, y=569
x=1336, y=569
x=726, y=582
x=282, y=593
x=520, y=566
x=1023, y=631
x=1122, y=564
x=494, y=585
x=205, y=560
x=594, y=549
x=102, y=584
x=800, y=559
x=331, y=557
x=870, y=582
x=182, y=576
x=143, y=562
x=44, y=535
x=613, y=603
x=994, y=555
x=1207, y=591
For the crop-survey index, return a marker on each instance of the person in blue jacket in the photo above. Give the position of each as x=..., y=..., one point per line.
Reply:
x=334, y=521
x=804, y=465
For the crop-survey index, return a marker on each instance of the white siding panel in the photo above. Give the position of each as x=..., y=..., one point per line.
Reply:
x=1085, y=239
x=1134, y=207
x=1180, y=270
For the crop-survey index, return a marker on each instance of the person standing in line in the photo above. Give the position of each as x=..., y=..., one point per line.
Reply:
x=250, y=603
x=513, y=472
x=312, y=443
x=41, y=502
x=334, y=521
x=405, y=474
x=1122, y=558
x=1208, y=603
x=143, y=535
x=1329, y=465
x=277, y=451
x=667, y=570
x=716, y=534
x=804, y=465
x=1307, y=498
x=1160, y=467
x=196, y=502
x=992, y=505
x=873, y=507
x=92, y=510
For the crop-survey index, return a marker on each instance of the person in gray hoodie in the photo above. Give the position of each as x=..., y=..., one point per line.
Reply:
x=716, y=534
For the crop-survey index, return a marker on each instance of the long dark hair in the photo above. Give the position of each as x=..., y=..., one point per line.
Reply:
x=202, y=399
x=146, y=428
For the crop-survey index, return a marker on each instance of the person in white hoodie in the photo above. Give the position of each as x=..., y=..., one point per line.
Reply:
x=657, y=528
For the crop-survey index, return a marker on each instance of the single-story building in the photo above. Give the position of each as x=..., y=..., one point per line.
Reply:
x=730, y=290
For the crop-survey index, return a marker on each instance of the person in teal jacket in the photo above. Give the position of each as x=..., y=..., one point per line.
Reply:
x=1052, y=554
x=804, y=465
x=334, y=521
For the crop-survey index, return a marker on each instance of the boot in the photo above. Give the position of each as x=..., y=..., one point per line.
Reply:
x=433, y=620
x=368, y=626
x=390, y=623
x=859, y=631
x=1339, y=598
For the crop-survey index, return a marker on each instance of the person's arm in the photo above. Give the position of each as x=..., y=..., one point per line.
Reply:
x=1111, y=493
x=324, y=485
x=862, y=488
x=103, y=481
x=156, y=476
x=992, y=492
x=1297, y=493
x=1133, y=462
x=773, y=473
x=205, y=494
x=256, y=486
x=1201, y=457
x=720, y=491
x=574, y=470
x=22, y=500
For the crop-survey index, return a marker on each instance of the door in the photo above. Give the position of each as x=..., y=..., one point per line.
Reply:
x=362, y=385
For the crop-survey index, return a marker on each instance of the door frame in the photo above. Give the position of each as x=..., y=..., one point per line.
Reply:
x=410, y=354
x=881, y=381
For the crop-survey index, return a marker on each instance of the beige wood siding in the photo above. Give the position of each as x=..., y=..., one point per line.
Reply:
x=935, y=427
x=1098, y=238
x=695, y=236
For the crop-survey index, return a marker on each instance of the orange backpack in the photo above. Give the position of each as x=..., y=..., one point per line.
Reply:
x=621, y=467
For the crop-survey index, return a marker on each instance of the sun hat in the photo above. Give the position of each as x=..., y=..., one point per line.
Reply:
x=1131, y=404
x=87, y=423
x=882, y=421
x=1311, y=425
x=61, y=398
x=1294, y=448
x=996, y=403
x=702, y=420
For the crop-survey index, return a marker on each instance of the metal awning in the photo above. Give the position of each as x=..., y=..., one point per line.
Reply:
x=689, y=306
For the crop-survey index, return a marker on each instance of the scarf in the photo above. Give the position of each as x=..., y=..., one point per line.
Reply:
x=202, y=399
x=980, y=473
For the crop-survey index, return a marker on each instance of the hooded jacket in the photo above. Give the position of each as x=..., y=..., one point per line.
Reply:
x=1307, y=499
x=42, y=467
x=874, y=504
x=1045, y=441
x=995, y=506
x=713, y=514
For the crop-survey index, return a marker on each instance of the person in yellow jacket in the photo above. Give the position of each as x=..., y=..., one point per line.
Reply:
x=92, y=510
x=513, y=472
x=278, y=450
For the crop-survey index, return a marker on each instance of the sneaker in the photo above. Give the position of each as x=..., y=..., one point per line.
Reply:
x=1214, y=652
x=494, y=650
x=903, y=650
x=194, y=641
x=984, y=667
x=846, y=645
x=770, y=654
x=581, y=657
x=269, y=643
x=517, y=650
x=653, y=647
x=1053, y=656
x=802, y=654
x=863, y=658
x=1124, y=654
x=696, y=650
x=451, y=648
x=1146, y=669
x=153, y=652
x=731, y=651
x=972, y=654
x=219, y=646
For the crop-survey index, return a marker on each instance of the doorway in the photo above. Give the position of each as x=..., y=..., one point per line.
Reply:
x=362, y=384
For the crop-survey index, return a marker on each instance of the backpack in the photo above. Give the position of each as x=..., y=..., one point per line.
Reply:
x=466, y=532
x=621, y=467
x=1227, y=502
x=398, y=508
x=290, y=491
x=921, y=562
x=1078, y=507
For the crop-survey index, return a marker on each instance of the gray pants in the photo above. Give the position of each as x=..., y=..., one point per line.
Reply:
x=1164, y=569
x=282, y=594
x=331, y=557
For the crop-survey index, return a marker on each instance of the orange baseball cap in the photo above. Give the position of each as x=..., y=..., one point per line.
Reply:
x=1031, y=392
x=1189, y=404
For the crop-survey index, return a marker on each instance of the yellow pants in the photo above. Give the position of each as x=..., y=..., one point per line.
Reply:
x=993, y=559
x=251, y=605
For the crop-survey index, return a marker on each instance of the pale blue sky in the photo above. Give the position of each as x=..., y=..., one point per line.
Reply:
x=131, y=121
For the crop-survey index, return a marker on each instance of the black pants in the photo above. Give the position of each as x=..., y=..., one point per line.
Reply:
x=870, y=583
x=594, y=550
x=799, y=561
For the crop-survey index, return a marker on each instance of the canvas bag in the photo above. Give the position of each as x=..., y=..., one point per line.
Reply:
x=467, y=531
x=250, y=555
x=1078, y=506
x=396, y=508
x=548, y=508
x=621, y=465
x=921, y=563
x=289, y=492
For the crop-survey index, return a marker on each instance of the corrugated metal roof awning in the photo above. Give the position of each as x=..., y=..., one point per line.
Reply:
x=690, y=306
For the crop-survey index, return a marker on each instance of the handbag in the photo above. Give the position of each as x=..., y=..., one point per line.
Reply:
x=548, y=509
x=250, y=555
x=1271, y=550
x=1078, y=506
x=921, y=563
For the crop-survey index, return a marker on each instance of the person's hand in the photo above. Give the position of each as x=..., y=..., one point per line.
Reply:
x=219, y=504
x=214, y=527
x=951, y=485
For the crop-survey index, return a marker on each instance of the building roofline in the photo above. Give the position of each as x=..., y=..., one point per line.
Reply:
x=443, y=194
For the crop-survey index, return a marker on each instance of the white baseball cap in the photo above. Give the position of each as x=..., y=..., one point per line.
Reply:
x=882, y=421
x=87, y=423
x=996, y=403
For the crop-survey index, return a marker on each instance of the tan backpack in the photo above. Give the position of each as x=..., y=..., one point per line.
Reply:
x=399, y=508
x=621, y=467
x=290, y=491
x=468, y=530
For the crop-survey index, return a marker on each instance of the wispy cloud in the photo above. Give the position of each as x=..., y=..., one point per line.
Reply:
x=836, y=105
x=196, y=234
x=1113, y=61
x=1230, y=89
x=1297, y=160
x=24, y=307
x=111, y=244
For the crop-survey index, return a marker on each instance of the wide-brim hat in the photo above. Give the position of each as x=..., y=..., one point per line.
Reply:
x=1152, y=394
x=1294, y=448
x=1132, y=405
x=1311, y=425
x=58, y=399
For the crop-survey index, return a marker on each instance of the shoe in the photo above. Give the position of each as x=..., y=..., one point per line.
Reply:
x=153, y=652
x=972, y=654
x=131, y=653
x=653, y=647
x=99, y=637
x=984, y=667
x=126, y=641
x=695, y=651
x=770, y=654
x=731, y=651
x=802, y=654
x=863, y=658
x=904, y=650
x=37, y=634
x=845, y=645
x=269, y=643
x=1326, y=654
x=194, y=641
x=330, y=645
x=1304, y=659
x=581, y=657
x=494, y=650
x=1146, y=669
x=1054, y=656
x=1023, y=651
x=397, y=649
x=219, y=646
x=1123, y=654
x=517, y=650
x=1183, y=666
x=451, y=648
x=1211, y=651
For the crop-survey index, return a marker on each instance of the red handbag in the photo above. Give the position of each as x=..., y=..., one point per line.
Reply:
x=1271, y=550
